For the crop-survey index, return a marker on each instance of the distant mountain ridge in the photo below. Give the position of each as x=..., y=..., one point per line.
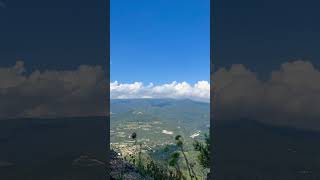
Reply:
x=186, y=112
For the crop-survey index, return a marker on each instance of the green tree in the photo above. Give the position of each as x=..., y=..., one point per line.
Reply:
x=174, y=162
x=179, y=142
x=204, y=151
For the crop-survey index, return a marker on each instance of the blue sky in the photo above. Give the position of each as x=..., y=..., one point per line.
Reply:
x=159, y=41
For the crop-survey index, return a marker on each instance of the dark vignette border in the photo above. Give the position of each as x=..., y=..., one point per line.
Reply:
x=211, y=176
x=108, y=87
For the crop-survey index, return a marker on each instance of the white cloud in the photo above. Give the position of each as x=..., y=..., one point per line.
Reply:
x=291, y=96
x=199, y=91
x=79, y=92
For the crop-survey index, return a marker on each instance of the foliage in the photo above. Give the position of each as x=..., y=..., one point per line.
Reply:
x=179, y=142
x=204, y=151
x=174, y=162
x=171, y=169
x=148, y=167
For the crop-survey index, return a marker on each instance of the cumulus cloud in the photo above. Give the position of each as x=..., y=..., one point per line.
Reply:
x=50, y=93
x=78, y=92
x=291, y=96
x=200, y=91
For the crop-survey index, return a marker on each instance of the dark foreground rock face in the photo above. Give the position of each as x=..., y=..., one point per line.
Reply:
x=121, y=169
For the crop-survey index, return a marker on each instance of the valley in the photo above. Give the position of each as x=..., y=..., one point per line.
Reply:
x=156, y=123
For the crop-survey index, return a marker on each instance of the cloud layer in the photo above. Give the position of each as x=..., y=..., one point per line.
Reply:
x=291, y=96
x=79, y=92
x=200, y=91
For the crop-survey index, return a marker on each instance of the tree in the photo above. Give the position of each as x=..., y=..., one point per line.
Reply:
x=174, y=162
x=179, y=142
x=204, y=151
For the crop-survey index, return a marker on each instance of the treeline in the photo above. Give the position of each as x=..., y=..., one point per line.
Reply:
x=177, y=165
